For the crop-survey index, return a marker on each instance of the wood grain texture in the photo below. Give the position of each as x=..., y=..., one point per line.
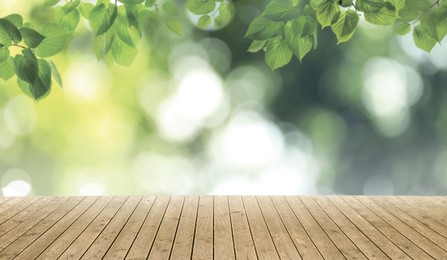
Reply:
x=221, y=227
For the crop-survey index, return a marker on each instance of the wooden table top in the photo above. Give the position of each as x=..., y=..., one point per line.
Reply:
x=220, y=227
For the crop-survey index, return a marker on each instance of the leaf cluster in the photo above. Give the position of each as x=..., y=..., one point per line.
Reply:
x=211, y=12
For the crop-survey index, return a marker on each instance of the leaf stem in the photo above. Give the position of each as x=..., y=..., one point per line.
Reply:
x=18, y=45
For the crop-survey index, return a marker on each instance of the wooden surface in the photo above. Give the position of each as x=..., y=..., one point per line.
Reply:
x=205, y=227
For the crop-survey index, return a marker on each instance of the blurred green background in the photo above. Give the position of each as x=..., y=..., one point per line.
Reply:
x=197, y=114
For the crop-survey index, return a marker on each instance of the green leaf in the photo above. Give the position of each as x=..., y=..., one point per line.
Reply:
x=327, y=13
x=102, y=44
x=345, y=3
x=123, y=54
x=70, y=6
x=256, y=46
x=48, y=3
x=54, y=42
x=200, y=6
x=277, y=53
x=41, y=86
x=170, y=8
x=11, y=30
x=4, y=54
x=31, y=37
x=384, y=16
x=7, y=68
x=55, y=73
x=412, y=9
x=71, y=20
x=422, y=38
x=27, y=66
x=150, y=3
x=174, y=25
x=131, y=1
x=204, y=21
x=398, y=4
x=263, y=29
x=403, y=28
x=102, y=18
x=300, y=35
x=281, y=10
x=369, y=6
x=344, y=28
x=15, y=19
x=86, y=9
x=226, y=14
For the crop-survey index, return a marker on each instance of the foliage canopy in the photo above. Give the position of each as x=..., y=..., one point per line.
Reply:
x=285, y=28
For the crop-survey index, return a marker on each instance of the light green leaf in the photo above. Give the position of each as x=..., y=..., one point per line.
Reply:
x=123, y=54
x=7, y=68
x=4, y=54
x=150, y=3
x=412, y=9
x=70, y=6
x=226, y=14
x=300, y=35
x=280, y=10
x=131, y=1
x=50, y=2
x=31, y=37
x=256, y=46
x=170, y=8
x=15, y=19
x=200, y=6
x=398, y=4
x=327, y=13
x=55, y=73
x=344, y=28
x=54, y=42
x=403, y=28
x=71, y=20
x=369, y=6
x=102, y=44
x=204, y=21
x=384, y=16
x=277, y=53
x=174, y=25
x=11, y=30
x=422, y=38
x=86, y=9
x=263, y=29
x=302, y=26
x=102, y=18
x=27, y=67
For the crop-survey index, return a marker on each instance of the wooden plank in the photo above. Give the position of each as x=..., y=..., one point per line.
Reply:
x=165, y=237
x=386, y=245
x=421, y=216
x=223, y=235
x=13, y=234
x=146, y=236
x=343, y=243
x=39, y=245
x=265, y=248
x=243, y=242
x=17, y=208
x=413, y=222
x=186, y=229
x=421, y=241
x=89, y=235
x=3, y=200
x=23, y=215
x=203, y=240
x=4, y=207
x=386, y=229
x=283, y=243
x=124, y=241
x=103, y=242
x=70, y=234
x=421, y=204
x=321, y=240
x=369, y=249
x=37, y=230
x=299, y=236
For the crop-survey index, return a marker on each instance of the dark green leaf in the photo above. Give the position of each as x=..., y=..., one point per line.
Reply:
x=263, y=29
x=11, y=30
x=277, y=53
x=344, y=28
x=369, y=6
x=280, y=10
x=328, y=13
x=27, y=66
x=31, y=37
x=41, y=86
x=15, y=19
x=102, y=18
x=70, y=6
x=7, y=68
x=131, y=1
x=386, y=15
x=149, y=3
x=200, y=6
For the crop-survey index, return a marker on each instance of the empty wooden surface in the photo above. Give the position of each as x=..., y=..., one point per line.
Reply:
x=206, y=227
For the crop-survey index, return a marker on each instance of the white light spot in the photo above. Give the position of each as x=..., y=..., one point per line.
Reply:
x=20, y=115
x=17, y=188
x=92, y=189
